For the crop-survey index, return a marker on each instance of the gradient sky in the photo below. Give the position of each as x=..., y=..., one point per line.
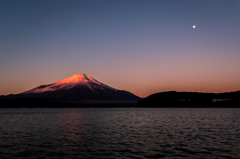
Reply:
x=142, y=46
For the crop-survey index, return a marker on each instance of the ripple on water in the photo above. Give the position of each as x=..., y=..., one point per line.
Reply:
x=119, y=133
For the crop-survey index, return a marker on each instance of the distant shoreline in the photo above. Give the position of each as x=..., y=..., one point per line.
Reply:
x=170, y=99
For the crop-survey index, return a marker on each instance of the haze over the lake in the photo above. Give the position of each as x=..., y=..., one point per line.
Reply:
x=142, y=46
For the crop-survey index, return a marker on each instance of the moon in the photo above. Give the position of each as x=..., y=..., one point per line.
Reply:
x=193, y=26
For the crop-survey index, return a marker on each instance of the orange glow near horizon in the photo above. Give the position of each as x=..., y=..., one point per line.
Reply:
x=143, y=89
x=141, y=77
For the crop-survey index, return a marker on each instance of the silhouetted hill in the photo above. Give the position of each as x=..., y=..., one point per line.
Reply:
x=191, y=99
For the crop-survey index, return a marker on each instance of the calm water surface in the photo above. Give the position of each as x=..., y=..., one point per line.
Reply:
x=120, y=133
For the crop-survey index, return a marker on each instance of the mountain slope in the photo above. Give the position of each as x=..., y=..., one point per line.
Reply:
x=79, y=87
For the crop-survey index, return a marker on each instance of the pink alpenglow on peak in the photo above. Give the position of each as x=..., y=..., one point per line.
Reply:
x=77, y=78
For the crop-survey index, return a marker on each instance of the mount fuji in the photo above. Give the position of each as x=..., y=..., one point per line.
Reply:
x=78, y=88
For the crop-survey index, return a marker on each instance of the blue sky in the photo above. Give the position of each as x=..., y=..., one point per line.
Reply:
x=143, y=46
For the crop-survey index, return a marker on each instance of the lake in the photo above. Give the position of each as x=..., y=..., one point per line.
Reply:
x=120, y=133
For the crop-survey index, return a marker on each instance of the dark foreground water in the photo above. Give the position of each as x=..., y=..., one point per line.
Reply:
x=120, y=133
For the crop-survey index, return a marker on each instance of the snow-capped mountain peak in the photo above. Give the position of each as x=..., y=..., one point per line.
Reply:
x=78, y=88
